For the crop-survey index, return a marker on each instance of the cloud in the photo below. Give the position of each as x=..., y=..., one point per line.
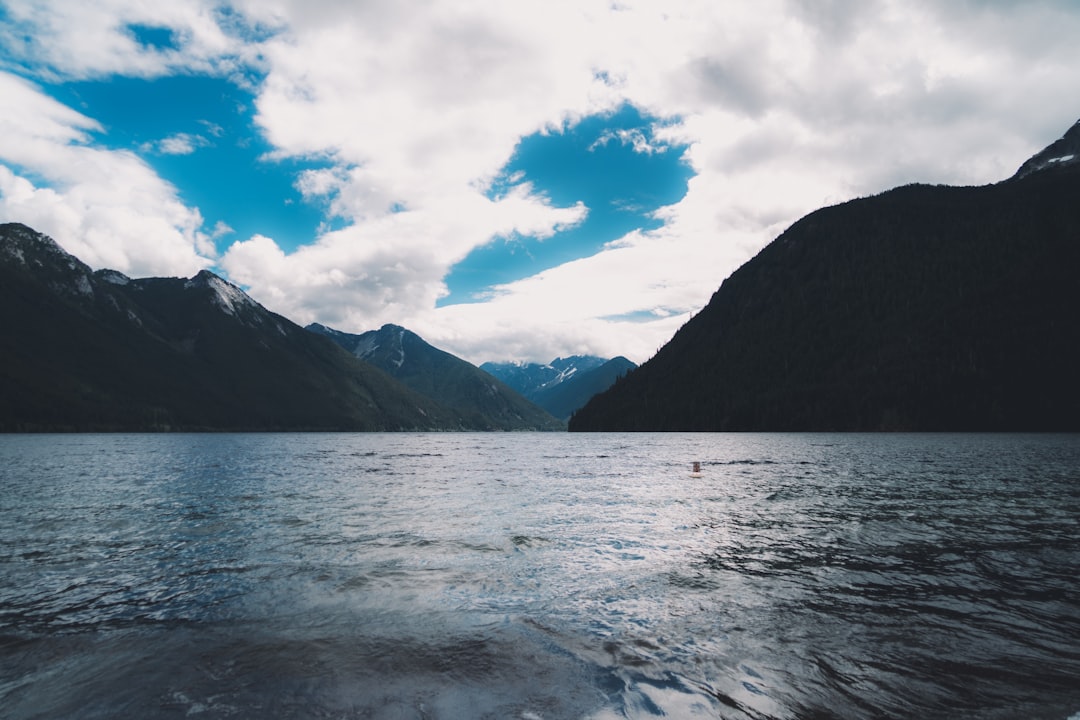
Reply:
x=179, y=144
x=389, y=268
x=414, y=109
x=60, y=38
x=635, y=138
x=107, y=207
x=220, y=229
x=213, y=128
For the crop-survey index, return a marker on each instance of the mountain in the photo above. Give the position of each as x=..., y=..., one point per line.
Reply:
x=563, y=399
x=84, y=350
x=1062, y=152
x=484, y=402
x=563, y=385
x=531, y=378
x=922, y=308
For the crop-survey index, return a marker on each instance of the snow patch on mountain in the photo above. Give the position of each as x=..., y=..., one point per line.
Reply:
x=25, y=246
x=365, y=346
x=530, y=378
x=14, y=251
x=226, y=295
x=1061, y=152
x=22, y=235
x=369, y=342
x=400, y=360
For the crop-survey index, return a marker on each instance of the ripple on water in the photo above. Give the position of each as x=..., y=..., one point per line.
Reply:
x=546, y=576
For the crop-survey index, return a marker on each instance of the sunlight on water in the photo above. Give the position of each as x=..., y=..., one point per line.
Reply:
x=540, y=576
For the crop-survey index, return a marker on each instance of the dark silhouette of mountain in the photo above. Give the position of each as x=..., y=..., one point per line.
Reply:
x=922, y=308
x=484, y=402
x=85, y=350
x=563, y=385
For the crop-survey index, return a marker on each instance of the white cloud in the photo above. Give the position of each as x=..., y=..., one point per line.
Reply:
x=391, y=267
x=67, y=38
x=220, y=229
x=108, y=208
x=179, y=144
x=785, y=105
x=634, y=138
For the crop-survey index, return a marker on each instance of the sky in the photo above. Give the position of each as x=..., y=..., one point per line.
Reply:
x=511, y=180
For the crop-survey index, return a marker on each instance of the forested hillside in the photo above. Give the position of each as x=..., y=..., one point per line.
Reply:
x=923, y=308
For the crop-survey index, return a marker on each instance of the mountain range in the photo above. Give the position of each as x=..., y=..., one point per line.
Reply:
x=921, y=308
x=485, y=402
x=84, y=350
x=563, y=385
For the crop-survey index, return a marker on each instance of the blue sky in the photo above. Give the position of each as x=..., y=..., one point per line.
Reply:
x=199, y=133
x=513, y=181
x=589, y=162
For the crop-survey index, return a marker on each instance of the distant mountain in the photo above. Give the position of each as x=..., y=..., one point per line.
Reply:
x=563, y=399
x=485, y=402
x=83, y=350
x=531, y=378
x=923, y=308
x=563, y=385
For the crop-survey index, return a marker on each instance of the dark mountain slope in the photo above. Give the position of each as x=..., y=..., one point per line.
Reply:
x=924, y=308
x=484, y=402
x=98, y=351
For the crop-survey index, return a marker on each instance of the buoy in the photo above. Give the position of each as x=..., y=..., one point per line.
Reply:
x=696, y=472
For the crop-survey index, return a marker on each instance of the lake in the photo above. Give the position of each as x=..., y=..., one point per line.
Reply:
x=540, y=576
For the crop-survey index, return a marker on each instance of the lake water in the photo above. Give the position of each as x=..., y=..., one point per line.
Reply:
x=529, y=576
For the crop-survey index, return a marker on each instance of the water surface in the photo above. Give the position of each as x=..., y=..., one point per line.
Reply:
x=520, y=575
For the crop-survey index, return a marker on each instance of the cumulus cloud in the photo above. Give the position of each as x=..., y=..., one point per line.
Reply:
x=392, y=267
x=108, y=208
x=414, y=109
x=66, y=39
